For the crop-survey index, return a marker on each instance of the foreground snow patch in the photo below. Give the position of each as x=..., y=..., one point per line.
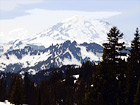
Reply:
x=6, y=103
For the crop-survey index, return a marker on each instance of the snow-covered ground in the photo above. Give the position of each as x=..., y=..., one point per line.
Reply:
x=6, y=103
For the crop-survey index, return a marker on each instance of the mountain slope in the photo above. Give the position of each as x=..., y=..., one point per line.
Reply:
x=71, y=41
x=57, y=55
x=78, y=28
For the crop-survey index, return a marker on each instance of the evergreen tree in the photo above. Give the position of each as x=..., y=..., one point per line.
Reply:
x=86, y=72
x=12, y=81
x=94, y=95
x=38, y=99
x=112, y=68
x=134, y=56
x=2, y=89
x=29, y=90
x=137, y=95
x=55, y=76
x=133, y=71
x=112, y=51
x=17, y=92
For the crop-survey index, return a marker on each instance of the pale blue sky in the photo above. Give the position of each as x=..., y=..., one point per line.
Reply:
x=18, y=8
x=12, y=10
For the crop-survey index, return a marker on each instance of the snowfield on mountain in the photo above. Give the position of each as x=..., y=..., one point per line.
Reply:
x=72, y=41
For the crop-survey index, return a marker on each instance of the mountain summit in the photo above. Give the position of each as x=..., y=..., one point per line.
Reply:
x=78, y=28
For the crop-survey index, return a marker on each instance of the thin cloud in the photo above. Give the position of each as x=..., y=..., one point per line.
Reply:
x=10, y=5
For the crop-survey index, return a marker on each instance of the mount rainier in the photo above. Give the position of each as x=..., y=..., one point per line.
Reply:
x=71, y=41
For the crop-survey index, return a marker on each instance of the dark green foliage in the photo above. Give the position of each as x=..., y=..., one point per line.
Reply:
x=135, y=48
x=137, y=95
x=2, y=89
x=112, y=51
x=29, y=90
x=134, y=56
x=112, y=69
x=56, y=76
x=133, y=71
x=17, y=92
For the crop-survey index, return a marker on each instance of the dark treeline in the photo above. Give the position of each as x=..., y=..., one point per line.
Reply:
x=114, y=81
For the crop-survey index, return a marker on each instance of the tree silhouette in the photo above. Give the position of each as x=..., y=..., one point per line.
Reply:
x=17, y=92
x=112, y=51
x=137, y=95
x=134, y=55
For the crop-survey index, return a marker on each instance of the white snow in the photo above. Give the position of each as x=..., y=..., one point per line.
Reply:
x=92, y=85
x=72, y=61
x=32, y=71
x=31, y=60
x=79, y=28
x=76, y=76
x=75, y=81
x=6, y=103
x=89, y=54
x=26, y=61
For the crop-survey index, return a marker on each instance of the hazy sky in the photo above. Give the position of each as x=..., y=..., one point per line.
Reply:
x=23, y=18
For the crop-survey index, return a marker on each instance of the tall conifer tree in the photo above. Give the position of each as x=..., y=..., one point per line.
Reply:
x=137, y=95
x=134, y=56
x=17, y=92
x=133, y=71
x=112, y=67
x=2, y=89
x=112, y=51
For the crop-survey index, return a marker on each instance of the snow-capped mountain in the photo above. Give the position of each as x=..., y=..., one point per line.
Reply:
x=78, y=28
x=57, y=55
x=71, y=41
